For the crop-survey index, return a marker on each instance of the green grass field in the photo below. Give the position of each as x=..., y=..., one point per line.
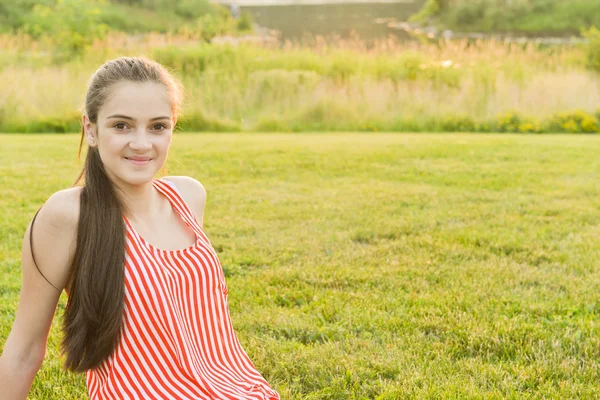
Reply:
x=375, y=266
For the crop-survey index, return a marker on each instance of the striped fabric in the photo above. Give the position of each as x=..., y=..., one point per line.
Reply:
x=177, y=338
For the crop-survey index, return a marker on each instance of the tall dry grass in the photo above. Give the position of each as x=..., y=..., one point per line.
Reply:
x=318, y=84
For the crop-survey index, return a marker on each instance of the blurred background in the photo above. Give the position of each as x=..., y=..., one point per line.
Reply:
x=305, y=65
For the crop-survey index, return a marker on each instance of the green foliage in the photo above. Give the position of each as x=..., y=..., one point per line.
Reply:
x=245, y=22
x=208, y=20
x=12, y=13
x=287, y=83
x=118, y=18
x=513, y=122
x=509, y=122
x=340, y=66
x=395, y=69
x=190, y=9
x=44, y=124
x=431, y=9
x=70, y=26
x=199, y=121
x=244, y=87
x=574, y=122
x=187, y=9
x=526, y=16
x=211, y=25
x=330, y=116
x=198, y=59
x=271, y=124
x=472, y=14
x=530, y=127
x=593, y=47
x=458, y=124
x=442, y=75
x=57, y=19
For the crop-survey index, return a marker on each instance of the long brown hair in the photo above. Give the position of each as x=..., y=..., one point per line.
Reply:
x=93, y=316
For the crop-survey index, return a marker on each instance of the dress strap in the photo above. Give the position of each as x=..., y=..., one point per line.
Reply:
x=178, y=203
x=172, y=185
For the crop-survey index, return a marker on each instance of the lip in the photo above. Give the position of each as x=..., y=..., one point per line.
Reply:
x=138, y=160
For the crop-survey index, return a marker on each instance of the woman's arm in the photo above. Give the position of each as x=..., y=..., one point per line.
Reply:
x=54, y=234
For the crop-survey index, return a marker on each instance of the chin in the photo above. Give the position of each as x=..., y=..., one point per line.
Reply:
x=135, y=178
x=140, y=178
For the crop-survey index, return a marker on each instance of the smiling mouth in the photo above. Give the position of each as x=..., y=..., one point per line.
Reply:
x=138, y=161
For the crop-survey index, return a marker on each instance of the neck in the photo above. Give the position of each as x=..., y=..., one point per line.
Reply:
x=143, y=201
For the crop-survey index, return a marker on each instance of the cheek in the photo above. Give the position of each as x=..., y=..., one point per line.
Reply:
x=113, y=147
x=164, y=142
x=117, y=144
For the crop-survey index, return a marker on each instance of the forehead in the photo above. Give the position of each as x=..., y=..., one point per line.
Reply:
x=138, y=100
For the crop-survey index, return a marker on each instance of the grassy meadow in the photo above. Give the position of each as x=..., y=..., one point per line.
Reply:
x=375, y=266
x=324, y=85
x=240, y=79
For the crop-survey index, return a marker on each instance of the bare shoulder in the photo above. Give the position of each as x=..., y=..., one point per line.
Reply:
x=189, y=187
x=53, y=239
x=193, y=192
x=62, y=208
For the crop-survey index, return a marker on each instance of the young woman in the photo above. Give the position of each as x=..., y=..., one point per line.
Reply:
x=147, y=314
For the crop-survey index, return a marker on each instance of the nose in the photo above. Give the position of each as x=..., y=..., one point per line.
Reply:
x=140, y=141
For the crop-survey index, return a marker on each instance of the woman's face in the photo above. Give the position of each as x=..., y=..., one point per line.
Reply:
x=133, y=131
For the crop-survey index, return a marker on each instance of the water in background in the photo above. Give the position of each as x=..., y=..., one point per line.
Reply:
x=370, y=21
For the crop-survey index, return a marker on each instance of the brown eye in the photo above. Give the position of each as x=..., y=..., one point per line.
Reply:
x=159, y=127
x=120, y=126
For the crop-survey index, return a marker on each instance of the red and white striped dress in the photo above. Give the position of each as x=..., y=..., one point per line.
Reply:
x=177, y=338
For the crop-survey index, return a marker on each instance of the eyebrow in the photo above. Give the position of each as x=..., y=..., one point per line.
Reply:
x=133, y=119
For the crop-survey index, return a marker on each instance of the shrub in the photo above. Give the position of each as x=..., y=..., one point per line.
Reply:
x=593, y=48
x=118, y=18
x=215, y=23
x=469, y=13
x=508, y=122
x=199, y=121
x=12, y=13
x=245, y=22
x=458, y=124
x=431, y=9
x=270, y=124
x=590, y=125
x=530, y=127
x=70, y=26
x=191, y=9
x=574, y=122
x=44, y=124
x=526, y=16
x=484, y=126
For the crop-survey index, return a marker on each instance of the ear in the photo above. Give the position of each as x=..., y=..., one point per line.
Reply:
x=90, y=131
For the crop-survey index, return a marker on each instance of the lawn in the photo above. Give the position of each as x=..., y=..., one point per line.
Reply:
x=375, y=266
